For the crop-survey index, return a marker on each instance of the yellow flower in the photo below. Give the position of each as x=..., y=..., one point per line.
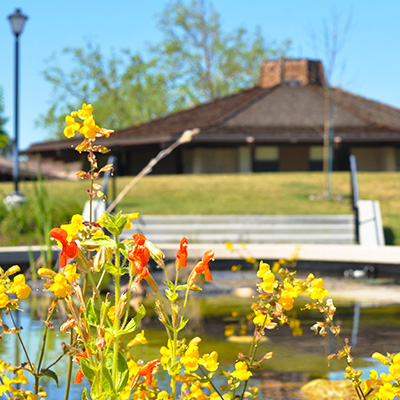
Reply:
x=241, y=372
x=394, y=368
x=191, y=358
x=45, y=271
x=286, y=301
x=166, y=353
x=20, y=378
x=71, y=274
x=111, y=313
x=72, y=127
x=263, y=269
x=317, y=290
x=163, y=395
x=19, y=287
x=60, y=287
x=261, y=319
x=210, y=361
x=267, y=285
x=89, y=128
x=86, y=111
x=196, y=392
x=3, y=300
x=130, y=217
x=380, y=357
x=138, y=339
x=74, y=227
x=13, y=270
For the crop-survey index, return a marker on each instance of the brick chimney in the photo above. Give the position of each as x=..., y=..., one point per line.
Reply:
x=291, y=72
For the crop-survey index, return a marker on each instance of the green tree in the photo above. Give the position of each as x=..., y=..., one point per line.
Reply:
x=202, y=62
x=123, y=88
x=5, y=142
x=195, y=62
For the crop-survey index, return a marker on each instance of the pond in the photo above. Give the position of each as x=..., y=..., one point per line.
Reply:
x=222, y=322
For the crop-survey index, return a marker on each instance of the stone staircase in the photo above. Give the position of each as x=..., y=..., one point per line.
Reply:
x=288, y=229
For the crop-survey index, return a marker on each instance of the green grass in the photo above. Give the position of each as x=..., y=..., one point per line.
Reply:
x=264, y=193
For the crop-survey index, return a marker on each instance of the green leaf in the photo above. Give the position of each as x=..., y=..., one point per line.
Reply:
x=107, y=383
x=183, y=324
x=134, y=322
x=104, y=241
x=85, y=395
x=174, y=369
x=122, y=372
x=86, y=369
x=120, y=223
x=92, y=314
x=181, y=287
x=51, y=374
x=112, y=269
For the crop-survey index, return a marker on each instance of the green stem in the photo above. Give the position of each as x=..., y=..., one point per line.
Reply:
x=43, y=348
x=116, y=320
x=253, y=351
x=185, y=302
x=22, y=343
x=211, y=382
x=95, y=289
x=69, y=369
x=128, y=301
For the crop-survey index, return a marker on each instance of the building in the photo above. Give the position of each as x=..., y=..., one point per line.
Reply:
x=277, y=125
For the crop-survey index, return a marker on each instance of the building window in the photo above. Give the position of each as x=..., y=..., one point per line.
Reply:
x=266, y=159
x=316, y=157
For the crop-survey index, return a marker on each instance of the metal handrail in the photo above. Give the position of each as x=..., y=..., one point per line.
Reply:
x=355, y=195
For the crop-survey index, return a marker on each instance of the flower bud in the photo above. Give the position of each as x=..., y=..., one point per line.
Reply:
x=156, y=254
x=161, y=313
x=45, y=271
x=175, y=315
x=121, y=307
x=100, y=259
x=82, y=261
x=192, y=277
x=152, y=283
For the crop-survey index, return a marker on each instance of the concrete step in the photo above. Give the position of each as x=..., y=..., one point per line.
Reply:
x=323, y=229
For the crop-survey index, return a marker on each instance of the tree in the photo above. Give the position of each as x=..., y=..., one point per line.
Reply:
x=5, y=142
x=329, y=45
x=195, y=62
x=202, y=62
x=123, y=88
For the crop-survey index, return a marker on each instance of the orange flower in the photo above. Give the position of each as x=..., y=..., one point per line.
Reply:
x=79, y=375
x=182, y=254
x=147, y=371
x=140, y=254
x=203, y=268
x=142, y=274
x=69, y=249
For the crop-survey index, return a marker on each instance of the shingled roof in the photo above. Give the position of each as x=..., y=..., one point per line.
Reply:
x=288, y=111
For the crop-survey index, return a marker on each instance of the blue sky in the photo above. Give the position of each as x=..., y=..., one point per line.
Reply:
x=369, y=63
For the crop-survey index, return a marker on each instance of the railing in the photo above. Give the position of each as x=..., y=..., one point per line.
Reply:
x=355, y=196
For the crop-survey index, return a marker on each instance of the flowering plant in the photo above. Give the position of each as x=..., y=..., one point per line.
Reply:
x=98, y=325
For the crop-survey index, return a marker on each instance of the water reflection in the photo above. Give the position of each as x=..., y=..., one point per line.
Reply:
x=296, y=359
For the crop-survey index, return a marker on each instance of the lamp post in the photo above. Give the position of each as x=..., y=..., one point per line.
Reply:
x=17, y=21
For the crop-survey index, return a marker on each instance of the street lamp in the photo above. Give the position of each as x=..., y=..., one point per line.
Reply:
x=17, y=21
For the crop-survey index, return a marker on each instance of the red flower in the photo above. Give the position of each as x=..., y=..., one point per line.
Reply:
x=147, y=371
x=182, y=254
x=142, y=274
x=140, y=255
x=69, y=249
x=79, y=375
x=203, y=268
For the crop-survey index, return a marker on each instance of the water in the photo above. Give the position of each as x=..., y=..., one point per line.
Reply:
x=296, y=359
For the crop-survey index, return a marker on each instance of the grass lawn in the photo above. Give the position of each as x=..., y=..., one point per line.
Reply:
x=262, y=193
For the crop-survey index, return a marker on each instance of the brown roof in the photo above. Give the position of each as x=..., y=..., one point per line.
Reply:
x=280, y=113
